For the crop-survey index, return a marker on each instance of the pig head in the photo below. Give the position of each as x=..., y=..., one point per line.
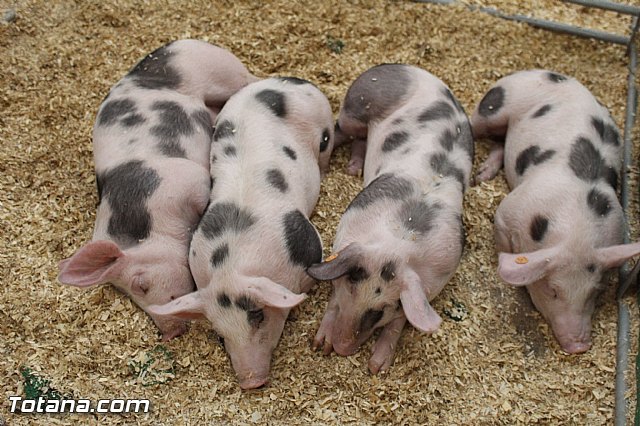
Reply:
x=563, y=264
x=371, y=289
x=149, y=274
x=249, y=316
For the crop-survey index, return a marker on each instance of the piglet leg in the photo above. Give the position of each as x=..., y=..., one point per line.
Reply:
x=385, y=347
x=358, y=151
x=324, y=334
x=492, y=165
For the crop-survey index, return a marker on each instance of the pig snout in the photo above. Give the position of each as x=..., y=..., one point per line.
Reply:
x=251, y=366
x=169, y=327
x=573, y=334
x=346, y=338
x=253, y=382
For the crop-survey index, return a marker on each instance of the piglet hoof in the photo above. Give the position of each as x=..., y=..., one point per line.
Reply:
x=354, y=168
x=380, y=362
x=484, y=175
x=321, y=342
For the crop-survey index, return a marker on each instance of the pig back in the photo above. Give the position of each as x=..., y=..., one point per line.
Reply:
x=266, y=145
x=139, y=124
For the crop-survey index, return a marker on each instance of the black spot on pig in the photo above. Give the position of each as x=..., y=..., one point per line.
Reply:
x=532, y=156
x=277, y=180
x=377, y=91
x=290, y=152
x=538, y=228
x=492, y=101
x=173, y=122
x=394, y=140
x=224, y=129
x=610, y=176
x=255, y=316
x=587, y=163
x=437, y=111
x=608, y=133
x=369, y=319
x=465, y=138
x=223, y=300
x=384, y=186
x=598, y=202
x=388, y=272
x=555, y=77
x=591, y=268
x=155, y=70
x=230, y=151
x=324, y=143
x=202, y=118
x=222, y=217
x=418, y=215
x=127, y=187
x=294, y=80
x=446, y=139
x=442, y=166
x=453, y=99
x=133, y=120
x=357, y=274
x=303, y=244
x=113, y=111
x=220, y=255
x=273, y=100
x=542, y=111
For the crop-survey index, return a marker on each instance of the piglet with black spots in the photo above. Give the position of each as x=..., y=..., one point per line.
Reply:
x=151, y=142
x=560, y=228
x=250, y=251
x=401, y=239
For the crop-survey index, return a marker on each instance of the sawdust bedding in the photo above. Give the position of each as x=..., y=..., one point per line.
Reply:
x=494, y=361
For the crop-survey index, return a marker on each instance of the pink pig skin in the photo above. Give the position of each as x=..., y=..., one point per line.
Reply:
x=400, y=240
x=252, y=246
x=151, y=149
x=560, y=228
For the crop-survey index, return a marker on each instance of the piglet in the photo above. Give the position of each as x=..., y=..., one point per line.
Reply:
x=401, y=239
x=151, y=141
x=250, y=251
x=560, y=228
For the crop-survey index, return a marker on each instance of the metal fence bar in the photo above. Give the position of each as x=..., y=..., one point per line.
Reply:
x=559, y=27
x=543, y=23
x=623, y=344
x=608, y=5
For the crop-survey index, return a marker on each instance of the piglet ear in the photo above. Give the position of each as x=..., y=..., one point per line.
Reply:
x=337, y=264
x=614, y=256
x=272, y=294
x=526, y=268
x=96, y=263
x=415, y=304
x=187, y=307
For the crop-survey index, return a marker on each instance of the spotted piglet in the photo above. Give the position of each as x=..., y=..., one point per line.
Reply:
x=151, y=141
x=250, y=251
x=560, y=227
x=401, y=239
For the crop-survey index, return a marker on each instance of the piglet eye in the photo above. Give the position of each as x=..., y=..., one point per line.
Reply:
x=255, y=317
x=357, y=274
